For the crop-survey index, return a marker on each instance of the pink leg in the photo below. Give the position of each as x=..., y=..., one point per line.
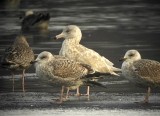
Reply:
x=88, y=92
x=12, y=81
x=146, y=99
x=61, y=96
x=77, y=93
x=67, y=94
x=23, y=81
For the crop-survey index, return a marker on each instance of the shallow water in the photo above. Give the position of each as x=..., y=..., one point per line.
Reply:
x=110, y=27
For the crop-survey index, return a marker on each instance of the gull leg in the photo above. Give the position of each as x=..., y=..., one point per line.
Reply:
x=88, y=92
x=67, y=94
x=23, y=81
x=61, y=95
x=12, y=81
x=146, y=99
x=77, y=93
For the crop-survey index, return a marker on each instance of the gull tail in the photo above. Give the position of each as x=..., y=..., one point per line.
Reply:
x=116, y=69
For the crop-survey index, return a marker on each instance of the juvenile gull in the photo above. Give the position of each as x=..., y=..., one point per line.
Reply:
x=72, y=49
x=62, y=71
x=35, y=20
x=17, y=57
x=142, y=72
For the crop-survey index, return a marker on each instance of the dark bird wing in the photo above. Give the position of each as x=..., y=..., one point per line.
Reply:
x=35, y=18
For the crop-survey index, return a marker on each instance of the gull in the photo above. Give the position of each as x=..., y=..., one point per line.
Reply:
x=144, y=72
x=35, y=20
x=72, y=49
x=61, y=71
x=18, y=57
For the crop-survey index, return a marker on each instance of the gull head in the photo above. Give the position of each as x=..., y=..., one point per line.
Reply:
x=131, y=55
x=43, y=57
x=20, y=39
x=70, y=32
x=29, y=12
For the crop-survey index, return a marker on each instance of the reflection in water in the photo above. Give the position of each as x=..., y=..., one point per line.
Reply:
x=110, y=27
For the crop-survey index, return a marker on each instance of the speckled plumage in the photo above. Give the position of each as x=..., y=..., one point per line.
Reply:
x=18, y=56
x=148, y=70
x=143, y=72
x=61, y=71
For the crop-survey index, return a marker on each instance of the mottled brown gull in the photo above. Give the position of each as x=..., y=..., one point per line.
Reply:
x=142, y=72
x=17, y=57
x=62, y=71
x=72, y=49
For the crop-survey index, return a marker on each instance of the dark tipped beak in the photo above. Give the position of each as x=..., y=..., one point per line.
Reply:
x=20, y=17
x=122, y=59
x=32, y=62
x=60, y=36
x=55, y=38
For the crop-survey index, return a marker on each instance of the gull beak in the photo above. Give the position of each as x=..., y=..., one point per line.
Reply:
x=122, y=59
x=59, y=36
x=33, y=62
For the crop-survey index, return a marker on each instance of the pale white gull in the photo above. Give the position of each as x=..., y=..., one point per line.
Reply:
x=72, y=49
x=142, y=72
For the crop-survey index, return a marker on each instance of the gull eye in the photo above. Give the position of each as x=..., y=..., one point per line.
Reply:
x=43, y=57
x=131, y=55
x=67, y=30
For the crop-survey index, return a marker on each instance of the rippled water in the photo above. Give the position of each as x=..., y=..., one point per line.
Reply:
x=110, y=27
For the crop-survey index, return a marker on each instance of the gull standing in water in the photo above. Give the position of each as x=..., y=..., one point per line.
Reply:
x=142, y=72
x=18, y=57
x=72, y=49
x=62, y=71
